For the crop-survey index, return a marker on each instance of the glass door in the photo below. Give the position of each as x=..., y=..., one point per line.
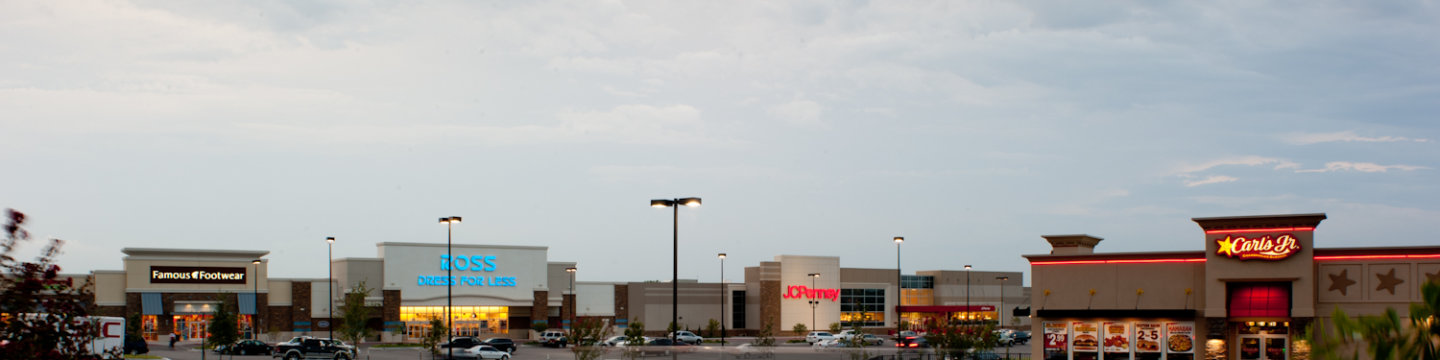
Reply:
x=1263, y=347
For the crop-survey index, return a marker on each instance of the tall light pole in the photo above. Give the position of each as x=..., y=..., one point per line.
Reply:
x=1000, y=312
x=813, y=301
x=330, y=286
x=967, y=293
x=898, y=286
x=449, y=281
x=722, y=299
x=255, y=301
x=675, y=267
x=571, y=270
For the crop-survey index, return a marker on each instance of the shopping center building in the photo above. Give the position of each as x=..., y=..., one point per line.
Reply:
x=502, y=290
x=1248, y=295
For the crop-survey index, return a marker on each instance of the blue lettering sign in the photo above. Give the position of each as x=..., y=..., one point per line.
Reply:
x=467, y=263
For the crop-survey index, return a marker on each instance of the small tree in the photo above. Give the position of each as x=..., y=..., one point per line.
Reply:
x=671, y=329
x=634, y=338
x=835, y=328
x=54, y=325
x=224, y=327
x=355, y=314
x=588, y=333
x=539, y=326
x=432, y=339
x=799, y=329
x=1386, y=336
x=766, y=336
x=713, y=328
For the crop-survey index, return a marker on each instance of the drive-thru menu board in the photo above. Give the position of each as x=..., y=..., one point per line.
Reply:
x=1180, y=339
x=1087, y=336
x=1056, y=339
x=1147, y=337
x=1117, y=337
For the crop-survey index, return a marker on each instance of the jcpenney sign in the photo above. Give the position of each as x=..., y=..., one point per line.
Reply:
x=805, y=292
x=196, y=275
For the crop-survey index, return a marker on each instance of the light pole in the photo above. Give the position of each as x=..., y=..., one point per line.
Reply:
x=675, y=267
x=1000, y=312
x=330, y=287
x=255, y=301
x=898, y=286
x=571, y=270
x=449, y=281
x=967, y=294
x=722, y=299
x=813, y=301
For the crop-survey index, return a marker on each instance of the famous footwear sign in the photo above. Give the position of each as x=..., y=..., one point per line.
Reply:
x=196, y=275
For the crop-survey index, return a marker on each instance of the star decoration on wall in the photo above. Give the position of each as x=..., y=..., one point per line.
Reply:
x=1226, y=247
x=1341, y=281
x=1388, y=281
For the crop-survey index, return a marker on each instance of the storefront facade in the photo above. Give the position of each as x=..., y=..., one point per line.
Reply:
x=1249, y=295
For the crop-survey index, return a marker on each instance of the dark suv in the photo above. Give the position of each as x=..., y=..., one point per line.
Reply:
x=501, y=344
x=311, y=348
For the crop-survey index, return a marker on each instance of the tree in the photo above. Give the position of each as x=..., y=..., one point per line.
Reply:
x=799, y=328
x=1385, y=336
x=713, y=328
x=59, y=327
x=952, y=339
x=355, y=315
x=634, y=338
x=588, y=333
x=432, y=339
x=834, y=328
x=671, y=329
x=766, y=336
x=224, y=327
x=539, y=326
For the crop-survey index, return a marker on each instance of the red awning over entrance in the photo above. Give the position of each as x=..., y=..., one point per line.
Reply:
x=946, y=308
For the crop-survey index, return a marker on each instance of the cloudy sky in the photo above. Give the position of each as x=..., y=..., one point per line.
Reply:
x=814, y=128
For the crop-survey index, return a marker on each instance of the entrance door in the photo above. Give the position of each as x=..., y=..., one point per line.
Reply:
x=1263, y=347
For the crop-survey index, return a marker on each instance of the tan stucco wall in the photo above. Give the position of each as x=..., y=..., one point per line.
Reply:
x=109, y=287
x=1115, y=285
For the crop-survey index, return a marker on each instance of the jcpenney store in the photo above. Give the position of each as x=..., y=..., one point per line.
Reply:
x=1248, y=295
x=497, y=289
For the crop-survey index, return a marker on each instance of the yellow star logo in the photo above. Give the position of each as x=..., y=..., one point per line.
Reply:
x=1225, y=247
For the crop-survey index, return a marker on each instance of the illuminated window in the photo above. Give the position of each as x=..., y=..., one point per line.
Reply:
x=862, y=307
x=1260, y=300
x=467, y=320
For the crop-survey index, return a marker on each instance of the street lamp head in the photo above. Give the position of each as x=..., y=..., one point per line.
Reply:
x=691, y=202
x=256, y=261
x=967, y=267
x=450, y=220
x=1002, y=278
x=899, y=239
x=815, y=275
x=661, y=203
x=722, y=256
x=330, y=239
x=570, y=270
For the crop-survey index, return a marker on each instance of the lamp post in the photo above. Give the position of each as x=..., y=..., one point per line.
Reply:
x=1000, y=312
x=898, y=285
x=449, y=281
x=330, y=287
x=813, y=301
x=571, y=270
x=675, y=258
x=967, y=293
x=722, y=299
x=255, y=301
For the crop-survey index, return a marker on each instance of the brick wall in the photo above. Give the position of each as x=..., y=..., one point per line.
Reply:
x=540, y=307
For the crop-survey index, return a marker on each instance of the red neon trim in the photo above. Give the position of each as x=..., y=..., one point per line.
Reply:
x=1135, y=261
x=1232, y=231
x=1375, y=257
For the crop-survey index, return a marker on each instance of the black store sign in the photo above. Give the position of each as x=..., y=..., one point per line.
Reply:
x=196, y=275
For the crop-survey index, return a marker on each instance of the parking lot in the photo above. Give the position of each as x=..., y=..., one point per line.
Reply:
x=709, y=351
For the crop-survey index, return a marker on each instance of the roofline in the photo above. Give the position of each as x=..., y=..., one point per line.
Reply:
x=492, y=246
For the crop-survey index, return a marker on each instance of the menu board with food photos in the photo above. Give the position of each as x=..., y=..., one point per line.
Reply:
x=1180, y=337
x=1087, y=336
x=1148, y=337
x=1056, y=339
x=1117, y=337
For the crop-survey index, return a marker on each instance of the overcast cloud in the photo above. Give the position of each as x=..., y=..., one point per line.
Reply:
x=816, y=128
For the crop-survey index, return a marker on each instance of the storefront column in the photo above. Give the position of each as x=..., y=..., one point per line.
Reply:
x=540, y=308
x=1217, y=343
x=567, y=310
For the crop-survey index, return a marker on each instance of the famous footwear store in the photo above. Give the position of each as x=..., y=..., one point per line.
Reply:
x=497, y=291
x=1249, y=295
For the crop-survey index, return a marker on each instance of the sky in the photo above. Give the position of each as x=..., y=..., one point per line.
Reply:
x=807, y=127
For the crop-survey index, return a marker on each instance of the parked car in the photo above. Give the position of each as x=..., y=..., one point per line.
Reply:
x=484, y=352
x=869, y=340
x=817, y=336
x=907, y=338
x=981, y=355
x=134, y=344
x=827, y=344
x=503, y=344
x=1004, y=337
x=687, y=337
x=615, y=340
x=846, y=334
x=461, y=342
x=553, y=338
x=245, y=347
x=1022, y=337
x=312, y=348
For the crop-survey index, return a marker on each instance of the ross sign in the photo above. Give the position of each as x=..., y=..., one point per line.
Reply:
x=462, y=263
x=196, y=275
x=805, y=292
x=1263, y=247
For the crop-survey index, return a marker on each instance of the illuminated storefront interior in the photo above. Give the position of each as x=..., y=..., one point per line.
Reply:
x=466, y=320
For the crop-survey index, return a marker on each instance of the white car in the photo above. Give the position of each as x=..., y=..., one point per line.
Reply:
x=688, y=337
x=1004, y=337
x=846, y=334
x=817, y=336
x=615, y=340
x=826, y=344
x=486, y=352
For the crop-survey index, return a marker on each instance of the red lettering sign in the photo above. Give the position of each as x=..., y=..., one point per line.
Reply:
x=1263, y=247
x=805, y=292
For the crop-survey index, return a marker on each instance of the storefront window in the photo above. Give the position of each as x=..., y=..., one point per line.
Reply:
x=862, y=307
x=147, y=327
x=466, y=320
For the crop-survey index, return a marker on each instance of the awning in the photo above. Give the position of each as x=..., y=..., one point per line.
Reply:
x=150, y=304
x=247, y=303
x=945, y=308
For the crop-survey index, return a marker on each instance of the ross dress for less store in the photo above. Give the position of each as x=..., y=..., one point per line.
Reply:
x=1249, y=295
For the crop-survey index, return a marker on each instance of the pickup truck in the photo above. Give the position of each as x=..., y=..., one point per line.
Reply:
x=311, y=348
